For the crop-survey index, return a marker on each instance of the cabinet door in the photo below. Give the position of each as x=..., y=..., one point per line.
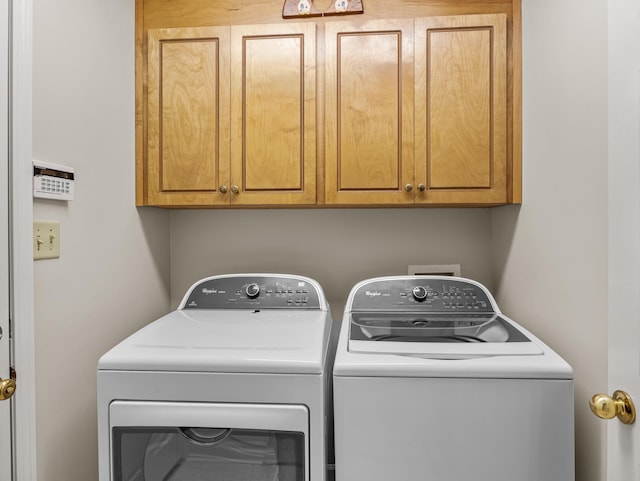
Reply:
x=369, y=112
x=273, y=114
x=461, y=95
x=188, y=117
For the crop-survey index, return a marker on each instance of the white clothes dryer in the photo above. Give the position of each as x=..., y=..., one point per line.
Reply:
x=433, y=383
x=233, y=385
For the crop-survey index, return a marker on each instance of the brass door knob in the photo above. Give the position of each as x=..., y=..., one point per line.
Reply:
x=223, y=189
x=235, y=189
x=408, y=187
x=422, y=187
x=619, y=405
x=7, y=388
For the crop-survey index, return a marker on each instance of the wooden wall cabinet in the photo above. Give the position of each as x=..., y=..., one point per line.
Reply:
x=439, y=140
x=461, y=109
x=273, y=114
x=188, y=105
x=396, y=111
x=231, y=116
x=369, y=149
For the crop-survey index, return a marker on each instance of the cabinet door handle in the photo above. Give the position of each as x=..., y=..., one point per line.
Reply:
x=408, y=187
x=223, y=189
x=421, y=187
x=234, y=189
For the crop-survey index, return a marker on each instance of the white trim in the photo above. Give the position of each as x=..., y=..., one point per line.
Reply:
x=5, y=406
x=623, y=341
x=22, y=213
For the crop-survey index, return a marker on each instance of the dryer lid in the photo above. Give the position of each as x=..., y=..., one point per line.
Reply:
x=234, y=341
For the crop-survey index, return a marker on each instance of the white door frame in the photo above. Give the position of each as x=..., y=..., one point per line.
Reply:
x=21, y=238
x=5, y=372
x=623, y=455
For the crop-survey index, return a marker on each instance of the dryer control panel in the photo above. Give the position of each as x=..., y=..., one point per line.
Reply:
x=421, y=293
x=254, y=291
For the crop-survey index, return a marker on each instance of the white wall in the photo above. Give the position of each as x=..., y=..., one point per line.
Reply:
x=550, y=254
x=112, y=275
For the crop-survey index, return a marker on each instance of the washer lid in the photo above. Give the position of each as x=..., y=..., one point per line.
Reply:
x=530, y=359
x=235, y=341
x=437, y=335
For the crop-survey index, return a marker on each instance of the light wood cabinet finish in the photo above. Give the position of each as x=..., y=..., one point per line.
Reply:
x=461, y=109
x=368, y=112
x=188, y=116
x=231, y=116
x=273, y=146
x=460, y=103
x=411, y=103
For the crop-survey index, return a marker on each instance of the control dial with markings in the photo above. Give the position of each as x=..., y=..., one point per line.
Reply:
x=419, y=293
x=252, y=291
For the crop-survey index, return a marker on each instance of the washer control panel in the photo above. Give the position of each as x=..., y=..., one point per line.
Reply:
x=421, y=293
x=253, y=292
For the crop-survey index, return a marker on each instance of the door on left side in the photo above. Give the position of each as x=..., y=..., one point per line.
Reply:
x=5, y=405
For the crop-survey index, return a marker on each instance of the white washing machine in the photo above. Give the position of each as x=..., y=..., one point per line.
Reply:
x=234, y=385
x=433, y=383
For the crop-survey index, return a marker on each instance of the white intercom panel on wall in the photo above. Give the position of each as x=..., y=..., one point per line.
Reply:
x=52, y=181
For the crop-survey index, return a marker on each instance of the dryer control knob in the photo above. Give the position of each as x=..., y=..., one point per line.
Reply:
x=252, y=291
x=419, y=293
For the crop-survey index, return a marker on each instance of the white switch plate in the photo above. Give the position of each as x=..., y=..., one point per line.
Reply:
x=46, y=240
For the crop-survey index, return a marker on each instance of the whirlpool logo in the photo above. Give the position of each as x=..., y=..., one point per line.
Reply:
x=373, y=293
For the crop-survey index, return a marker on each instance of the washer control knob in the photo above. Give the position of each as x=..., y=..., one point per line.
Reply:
x=252, y=291
x=419, y=293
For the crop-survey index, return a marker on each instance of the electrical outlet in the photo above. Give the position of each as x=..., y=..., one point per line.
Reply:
x=46, y=240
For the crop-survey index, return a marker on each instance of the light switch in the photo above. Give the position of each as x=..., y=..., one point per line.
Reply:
x=46, y=240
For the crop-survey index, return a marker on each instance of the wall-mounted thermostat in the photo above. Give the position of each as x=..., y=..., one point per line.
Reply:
x=52, y=181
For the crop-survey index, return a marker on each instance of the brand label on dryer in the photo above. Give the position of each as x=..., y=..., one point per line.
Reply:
x=212, y=291
x=373, y=293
